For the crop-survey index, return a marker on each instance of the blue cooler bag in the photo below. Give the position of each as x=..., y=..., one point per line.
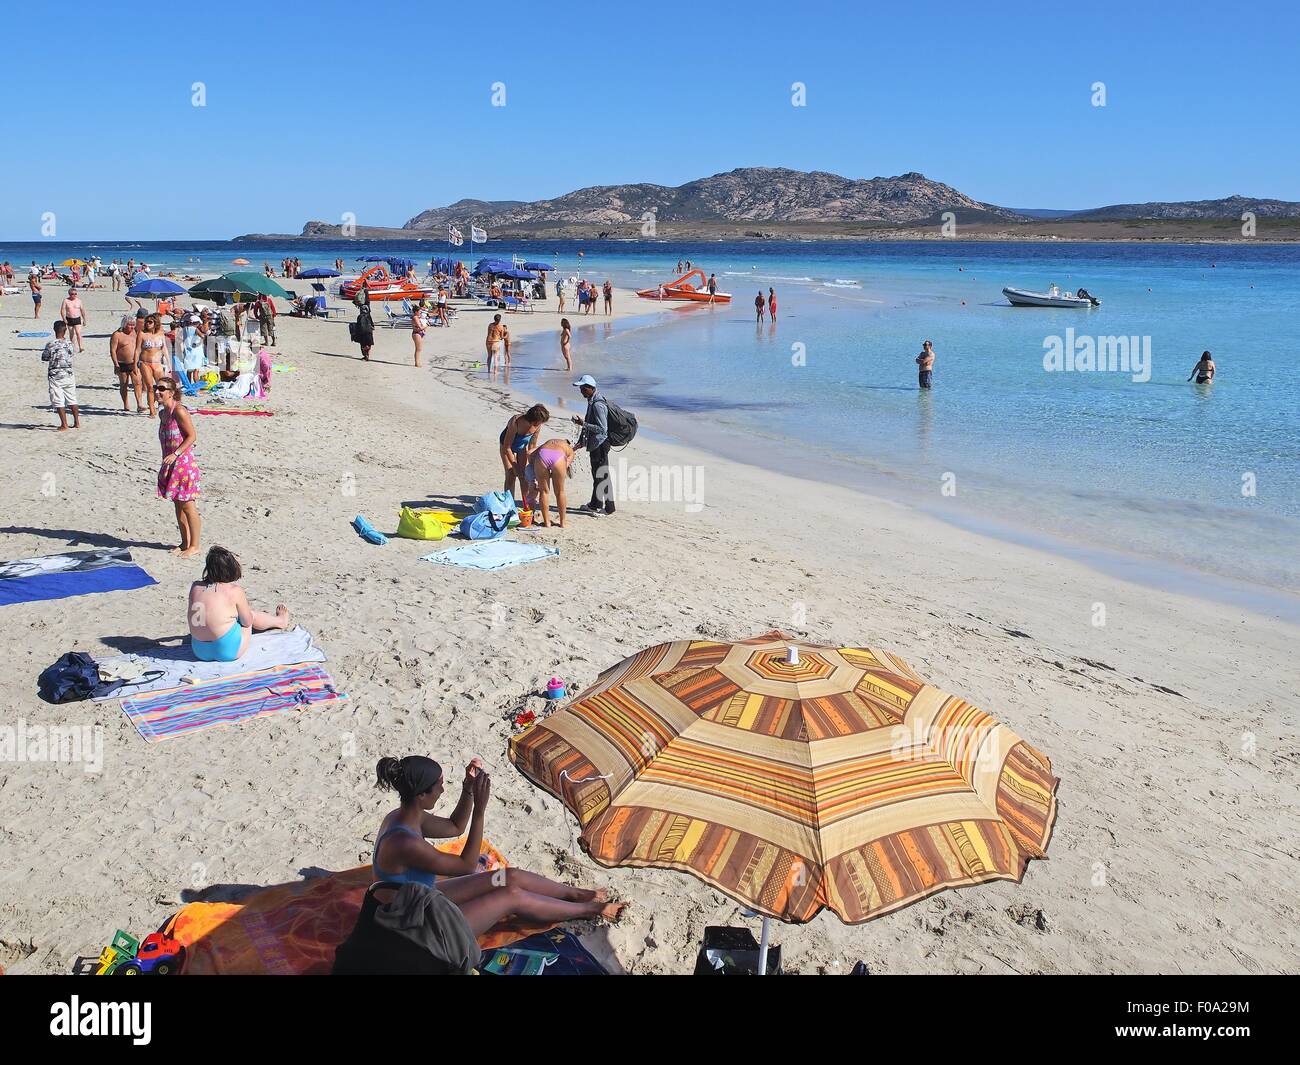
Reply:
x=484, y=525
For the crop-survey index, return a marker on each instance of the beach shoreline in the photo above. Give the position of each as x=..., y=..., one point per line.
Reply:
x=1165, y=809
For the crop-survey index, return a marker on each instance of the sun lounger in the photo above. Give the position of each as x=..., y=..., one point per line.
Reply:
x=398, y=318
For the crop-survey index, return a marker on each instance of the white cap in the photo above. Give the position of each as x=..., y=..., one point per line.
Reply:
x=585, y=379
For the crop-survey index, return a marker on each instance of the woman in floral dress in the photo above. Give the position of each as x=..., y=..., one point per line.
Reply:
x=178, y=477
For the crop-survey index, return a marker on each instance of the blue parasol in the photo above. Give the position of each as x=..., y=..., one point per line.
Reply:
x=154, y=288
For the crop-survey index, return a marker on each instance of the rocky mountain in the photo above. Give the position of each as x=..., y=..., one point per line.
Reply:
x=1228, y=207
x=750, y=194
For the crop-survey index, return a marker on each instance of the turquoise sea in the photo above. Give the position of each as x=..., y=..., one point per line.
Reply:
x=1139, y=471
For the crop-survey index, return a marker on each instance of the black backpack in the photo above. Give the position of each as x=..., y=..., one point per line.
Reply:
x=621, y=424
x=72, y=678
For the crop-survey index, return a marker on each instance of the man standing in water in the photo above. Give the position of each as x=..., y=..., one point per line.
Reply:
x=713, y=285
x=925, y=363
x=595, y=438
x=759, y=304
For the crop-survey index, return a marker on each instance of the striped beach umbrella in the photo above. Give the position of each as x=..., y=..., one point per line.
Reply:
x=793, y=779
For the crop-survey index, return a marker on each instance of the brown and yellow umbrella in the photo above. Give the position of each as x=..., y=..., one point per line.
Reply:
x=793, y=779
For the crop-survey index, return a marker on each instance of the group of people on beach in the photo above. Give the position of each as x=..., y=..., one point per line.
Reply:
x=588, y=294
x=537, y=468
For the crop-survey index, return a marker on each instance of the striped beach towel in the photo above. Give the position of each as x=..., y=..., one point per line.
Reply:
x=162, y=715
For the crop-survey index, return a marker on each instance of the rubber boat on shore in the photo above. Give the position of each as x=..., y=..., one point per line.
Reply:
x=682, y=289
x=384, y=286
x=1053, y=297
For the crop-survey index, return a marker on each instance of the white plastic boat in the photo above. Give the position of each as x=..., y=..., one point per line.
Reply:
x=1053, y=297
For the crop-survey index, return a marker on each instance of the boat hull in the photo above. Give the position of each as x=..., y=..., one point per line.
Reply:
x=690, y=295
x=1020, y=298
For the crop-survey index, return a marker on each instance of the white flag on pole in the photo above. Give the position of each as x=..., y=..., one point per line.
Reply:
x=455, y=236
x=479, y=236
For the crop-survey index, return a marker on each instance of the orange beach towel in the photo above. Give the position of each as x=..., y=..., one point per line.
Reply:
x=292, y=929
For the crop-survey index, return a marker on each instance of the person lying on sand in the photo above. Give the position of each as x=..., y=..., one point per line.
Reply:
x=403, y=854
x=220, y=617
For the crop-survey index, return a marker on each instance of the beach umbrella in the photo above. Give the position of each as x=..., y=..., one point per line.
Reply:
x=793, y=778
x=154, y=288
x=237, y=286
x=539, y=267
x=239, y=262
x=319, y=271
x=74, y=262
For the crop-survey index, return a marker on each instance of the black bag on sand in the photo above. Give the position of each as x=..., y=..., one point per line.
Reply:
x=71, y=679
x=622, y=425
x=733, y=952
x=435, y=945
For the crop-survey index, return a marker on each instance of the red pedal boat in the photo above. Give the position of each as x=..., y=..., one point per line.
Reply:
x=384, y=286
x=682, y=289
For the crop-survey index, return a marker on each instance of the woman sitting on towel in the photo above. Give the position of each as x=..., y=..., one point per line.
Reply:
x=518, y=441
x=550, y=470
x=403, y=854
x=221, y=619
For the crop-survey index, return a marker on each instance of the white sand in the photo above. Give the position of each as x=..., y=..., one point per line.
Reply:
x=1175, y=847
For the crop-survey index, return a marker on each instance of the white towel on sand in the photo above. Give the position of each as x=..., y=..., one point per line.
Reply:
x=265, y=649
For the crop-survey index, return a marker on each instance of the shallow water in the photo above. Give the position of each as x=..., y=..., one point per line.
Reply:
x=1139, y=463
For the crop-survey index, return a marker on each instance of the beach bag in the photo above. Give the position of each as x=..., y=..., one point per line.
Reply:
x=622, y=425
x=421, y=524
x=377, y=949
x=733, y=952
x=71, y=679
x=500, y=503
x=484, y=526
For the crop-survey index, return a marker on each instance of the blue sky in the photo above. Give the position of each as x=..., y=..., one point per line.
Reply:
x=384, y=109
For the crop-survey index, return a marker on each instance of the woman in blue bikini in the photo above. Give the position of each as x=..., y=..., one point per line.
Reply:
x=403, y=853
x=518, y=441
x=221, y=619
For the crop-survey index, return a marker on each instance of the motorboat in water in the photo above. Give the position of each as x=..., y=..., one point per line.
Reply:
x=683, y=289
x=1053, y=297
x=384, y=286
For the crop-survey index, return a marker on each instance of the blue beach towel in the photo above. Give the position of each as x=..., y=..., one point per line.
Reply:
x=491, y=554
x=36, y=334
x=31, y=580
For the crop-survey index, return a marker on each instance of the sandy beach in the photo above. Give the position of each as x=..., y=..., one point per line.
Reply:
x=1172, y=726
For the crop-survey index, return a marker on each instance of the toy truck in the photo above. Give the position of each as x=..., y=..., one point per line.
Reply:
x=159, y=954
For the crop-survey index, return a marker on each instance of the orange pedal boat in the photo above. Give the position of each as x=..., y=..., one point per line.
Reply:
x=682, y=289
x=384, y=286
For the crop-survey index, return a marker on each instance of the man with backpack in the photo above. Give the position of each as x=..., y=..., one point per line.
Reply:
x=595, y=438
x=604, y=426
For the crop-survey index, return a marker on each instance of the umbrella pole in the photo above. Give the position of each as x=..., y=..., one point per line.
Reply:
x=765, y=936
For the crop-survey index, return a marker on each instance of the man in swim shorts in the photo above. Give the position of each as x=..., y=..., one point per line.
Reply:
x=925, y=365
x=121, y=349
x=34, y=283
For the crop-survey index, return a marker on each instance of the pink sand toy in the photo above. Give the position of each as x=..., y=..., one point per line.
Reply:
x=555, y=688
